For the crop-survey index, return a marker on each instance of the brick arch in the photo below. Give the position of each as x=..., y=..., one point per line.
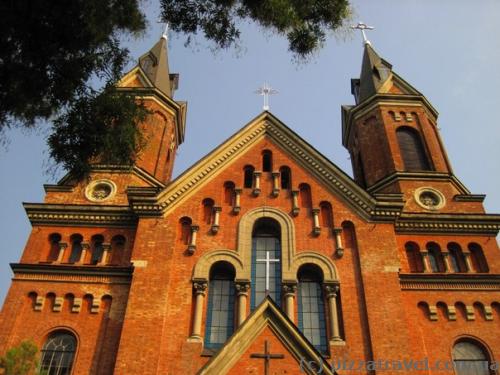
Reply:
x=329, y=270
x=204, y=264
x=245, y=227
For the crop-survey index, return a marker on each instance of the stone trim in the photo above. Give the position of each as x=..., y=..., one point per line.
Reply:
x=448, y=223
x=469, y=198
x=86, y=215
x=489, y=282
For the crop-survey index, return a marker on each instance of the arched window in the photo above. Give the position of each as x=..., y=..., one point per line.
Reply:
x=286, y=178
x=97, y=249
x=54, y=239
x=435, y=257
x=305, y=199
x=311, y=306
x=267, y=161
x=58, y=353
x=248, y=179
x=457, y=260
x=220, y=310
x=76, y=248
x=478, y=259
x=326, y=214
x=208, y=208
x=266, y=257
x=228, y=192
x=414, y=257
x=470, y=358
x=412, y=149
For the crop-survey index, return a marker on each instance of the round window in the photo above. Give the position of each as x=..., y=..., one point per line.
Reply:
x=430, y=199
x=100, y=190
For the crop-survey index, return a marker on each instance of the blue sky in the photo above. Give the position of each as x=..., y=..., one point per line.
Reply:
x=448, y=49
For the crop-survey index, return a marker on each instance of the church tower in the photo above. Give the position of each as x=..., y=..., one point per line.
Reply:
x=391, y=133
x=151, y=82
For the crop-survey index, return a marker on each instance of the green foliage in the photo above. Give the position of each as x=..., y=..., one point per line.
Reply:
x=20, y=360
x=304, y=22
x=99, y=127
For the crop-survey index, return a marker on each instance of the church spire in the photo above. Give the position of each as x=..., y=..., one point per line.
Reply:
x=154, y=63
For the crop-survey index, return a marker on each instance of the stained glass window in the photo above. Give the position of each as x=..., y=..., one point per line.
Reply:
x=58, y=354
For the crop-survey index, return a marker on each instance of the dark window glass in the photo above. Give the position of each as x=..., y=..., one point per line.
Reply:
x=478, y=259
x=220, y=315
x=286, y=178
x=470, y=359
x=267, y=161
x=412, y=150
x=435, y=258
x=76, y=251
x=312, y=314
x=266, y=244
x=97, y=252
x=58, y=354
x=248, y=181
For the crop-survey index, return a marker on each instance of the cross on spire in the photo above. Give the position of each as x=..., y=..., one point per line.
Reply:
x=363, y=26
x=265, y=90
x=267, y=356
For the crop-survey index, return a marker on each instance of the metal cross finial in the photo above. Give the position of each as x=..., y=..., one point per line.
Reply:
x=265, y=90
x=363, y=26
x=166, y=30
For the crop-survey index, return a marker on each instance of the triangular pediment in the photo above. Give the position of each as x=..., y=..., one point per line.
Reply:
x=267, y=328
x=135, y=78
x=306, y=156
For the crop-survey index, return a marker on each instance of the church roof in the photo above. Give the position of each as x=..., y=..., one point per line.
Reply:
x=267, y=125
x=267, y=315
x=155, y=64
x=377, y=77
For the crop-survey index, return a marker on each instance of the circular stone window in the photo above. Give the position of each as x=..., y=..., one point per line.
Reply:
x=429, y=198
x=100, y=190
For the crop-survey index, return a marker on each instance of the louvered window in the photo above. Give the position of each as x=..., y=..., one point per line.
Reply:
x=412, y=150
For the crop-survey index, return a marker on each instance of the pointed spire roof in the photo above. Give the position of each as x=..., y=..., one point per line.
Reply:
x=154, y=64
x=377, y=77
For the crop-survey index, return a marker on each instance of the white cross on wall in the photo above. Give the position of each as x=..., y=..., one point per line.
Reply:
x=268, y=261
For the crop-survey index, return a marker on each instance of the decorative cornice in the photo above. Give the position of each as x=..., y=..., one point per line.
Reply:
x=418, y=176
x=469, y=198
x=448, y=223
x=70, y=273
x=476, y=281
x=58, y=188
x=86, y=215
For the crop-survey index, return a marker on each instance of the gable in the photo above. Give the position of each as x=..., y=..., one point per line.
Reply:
x=303, y=154
x=242, y=353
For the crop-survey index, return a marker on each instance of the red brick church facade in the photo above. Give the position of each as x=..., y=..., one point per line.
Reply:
x=264, y=257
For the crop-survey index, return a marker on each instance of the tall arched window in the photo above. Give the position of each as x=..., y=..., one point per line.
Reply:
x=470, y=358
x=76, y=248
x=326, y=214
x=220, y=310
x=228, y=192
x=412, y=149
x=267, y=161
x=248, y=179
x=286, y=178
x=58, y=353
x=208, y=208
x=266, y=261
x=54, y=239
x=184, y=232
x=456, y=257
x=311, y=306
x=97, y=249
x=414, y=257
x=435, y=257
x=305, y=198
x=478, y=259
